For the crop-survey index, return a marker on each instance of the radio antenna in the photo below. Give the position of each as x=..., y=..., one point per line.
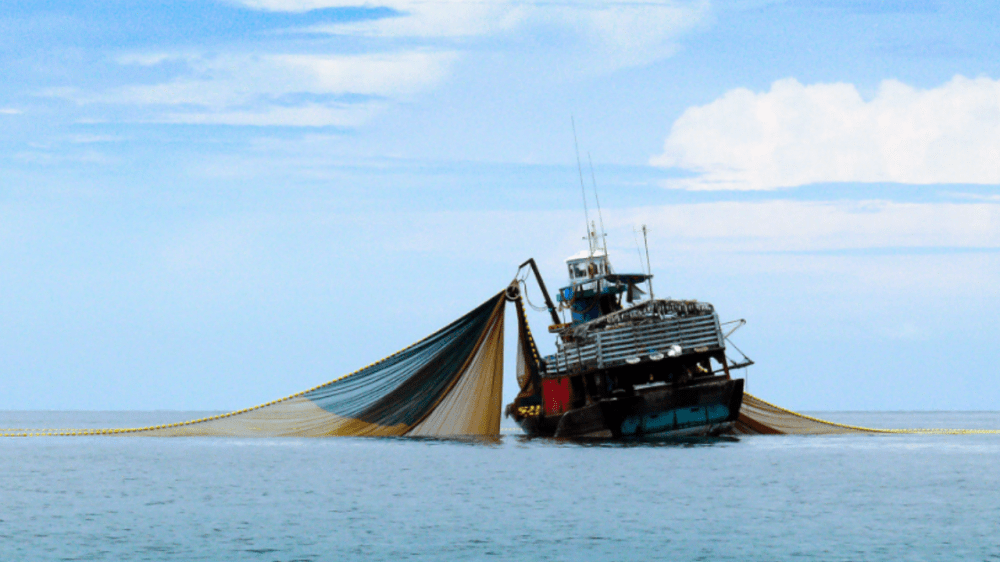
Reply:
x=604, y=233
x=638, y=251
x=583, y=190
x=649, y=267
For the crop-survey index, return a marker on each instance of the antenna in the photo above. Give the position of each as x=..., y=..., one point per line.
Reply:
x=604, y=233
x=583, y=190
x=638, y=251
x=648, y=266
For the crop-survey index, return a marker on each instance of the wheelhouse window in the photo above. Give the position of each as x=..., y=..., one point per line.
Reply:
x=584, y=269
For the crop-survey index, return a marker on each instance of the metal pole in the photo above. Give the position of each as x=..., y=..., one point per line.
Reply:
x=545, y=292
x=649, y=267
x=583, y=190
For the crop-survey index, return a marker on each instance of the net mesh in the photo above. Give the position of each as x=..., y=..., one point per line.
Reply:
x=448, y=384
x=759, y=417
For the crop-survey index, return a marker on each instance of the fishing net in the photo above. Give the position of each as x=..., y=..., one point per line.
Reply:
x=759, y=417
x=448, y=384
x=529, y=368
x=529, y=364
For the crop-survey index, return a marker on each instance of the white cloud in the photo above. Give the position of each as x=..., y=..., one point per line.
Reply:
x=310, y=115
x=796, y=134
x=347, y=90
x=607, y=34
x=53, y=158
x=277, y=89
x=145, y=59
x=10, y=111
x=429, y=19
x=632, y=33
x=298, y=5
x=93, y=139
x=227, y=80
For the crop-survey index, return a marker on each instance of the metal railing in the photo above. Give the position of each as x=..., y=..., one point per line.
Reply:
x=630, y=343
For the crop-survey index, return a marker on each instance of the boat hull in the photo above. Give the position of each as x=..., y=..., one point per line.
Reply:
x=700, y=408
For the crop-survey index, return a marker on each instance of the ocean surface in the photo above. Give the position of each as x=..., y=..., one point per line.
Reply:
x=859, y=497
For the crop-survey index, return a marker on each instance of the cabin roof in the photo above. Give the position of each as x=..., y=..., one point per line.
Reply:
x=585, y=255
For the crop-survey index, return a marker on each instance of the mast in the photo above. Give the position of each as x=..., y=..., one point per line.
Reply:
x=649, y=267
x=583, y=190
x=604, y=233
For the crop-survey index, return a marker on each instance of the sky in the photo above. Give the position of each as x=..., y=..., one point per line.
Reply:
x=212, y=204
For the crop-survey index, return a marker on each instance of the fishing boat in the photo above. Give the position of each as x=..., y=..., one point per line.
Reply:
x=639, y=368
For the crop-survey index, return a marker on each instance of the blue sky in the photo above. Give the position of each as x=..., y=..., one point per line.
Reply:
x=213, y=204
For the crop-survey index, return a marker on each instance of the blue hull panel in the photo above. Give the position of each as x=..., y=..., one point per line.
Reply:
x=672, y=420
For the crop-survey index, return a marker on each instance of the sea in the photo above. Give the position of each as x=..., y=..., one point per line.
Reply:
x=767, y=498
